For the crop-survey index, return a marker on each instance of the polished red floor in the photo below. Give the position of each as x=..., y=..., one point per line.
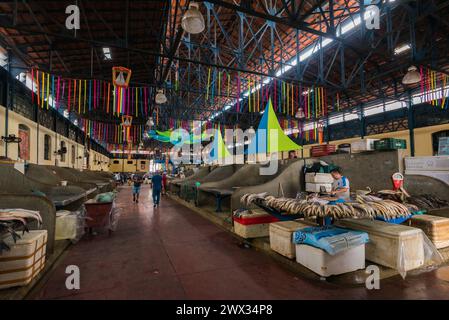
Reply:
x=172, y=253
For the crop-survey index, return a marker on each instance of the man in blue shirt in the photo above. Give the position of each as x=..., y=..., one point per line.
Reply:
x=340, y=187
x=156, y=180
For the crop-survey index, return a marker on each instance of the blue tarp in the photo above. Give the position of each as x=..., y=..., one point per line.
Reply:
x=329, y=238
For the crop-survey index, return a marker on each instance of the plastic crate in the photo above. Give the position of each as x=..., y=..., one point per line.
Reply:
x=390, y=144
x=322, y=150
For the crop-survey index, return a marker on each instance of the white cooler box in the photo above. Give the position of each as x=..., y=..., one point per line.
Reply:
x=325, y=178
x=363, y=145
x=24, y=261
x=316, y=187
x=324, y=264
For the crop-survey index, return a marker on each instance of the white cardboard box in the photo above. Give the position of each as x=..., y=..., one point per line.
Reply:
x=316, y=187
x=327, y=265
x=319, y=178
x=363, y=145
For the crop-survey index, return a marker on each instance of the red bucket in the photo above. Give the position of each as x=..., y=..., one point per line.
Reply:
x=398, y=180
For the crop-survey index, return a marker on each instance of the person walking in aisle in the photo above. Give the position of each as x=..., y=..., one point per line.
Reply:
x=156, y=181
x=137, y=180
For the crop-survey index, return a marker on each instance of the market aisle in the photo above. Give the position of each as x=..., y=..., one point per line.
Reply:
x=172, y=253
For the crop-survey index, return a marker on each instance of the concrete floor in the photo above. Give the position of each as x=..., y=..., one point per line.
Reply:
x=172, y=253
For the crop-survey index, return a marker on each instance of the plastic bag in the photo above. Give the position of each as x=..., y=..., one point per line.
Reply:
x=70, y=225
x=419, y=260
x=114, y=217
x=105, y=197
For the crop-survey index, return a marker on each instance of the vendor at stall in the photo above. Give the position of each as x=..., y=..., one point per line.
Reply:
x=340, y=187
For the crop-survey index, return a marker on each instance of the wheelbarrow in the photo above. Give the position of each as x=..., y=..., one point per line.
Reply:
x=98, y=215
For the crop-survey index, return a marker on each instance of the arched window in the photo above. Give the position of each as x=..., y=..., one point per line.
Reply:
x=62, y=148
x=73, y=155
x=440, y=142
x=24, y=145
x=47, y=147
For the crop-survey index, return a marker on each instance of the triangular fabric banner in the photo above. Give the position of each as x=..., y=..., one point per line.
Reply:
x=268, y=130
x=219, y=150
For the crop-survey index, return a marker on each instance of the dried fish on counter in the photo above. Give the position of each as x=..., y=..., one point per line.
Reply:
x=366, y=206
x=428, y=201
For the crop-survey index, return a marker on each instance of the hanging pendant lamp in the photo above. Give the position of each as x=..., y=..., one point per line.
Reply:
x=160, y=97
x=193, y=21
x=412, y=76
x=300, y=114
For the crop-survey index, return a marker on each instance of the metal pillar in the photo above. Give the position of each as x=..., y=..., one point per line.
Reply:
x=411, y=124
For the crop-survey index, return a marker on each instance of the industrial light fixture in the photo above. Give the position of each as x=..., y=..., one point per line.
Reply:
x=300, y=114
x=412, y=76
x=193, y=21
x=402, y=48
x=107, y=53
x=160, y=97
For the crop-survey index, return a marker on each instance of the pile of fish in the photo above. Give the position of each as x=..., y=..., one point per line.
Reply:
x=363, y=207
x=12, y=220
x=428, y=201
x=424, y=201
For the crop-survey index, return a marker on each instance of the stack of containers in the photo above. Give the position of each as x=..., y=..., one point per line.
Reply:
x=322, y=150
x=390, y=144
x=315, y=182
x=363, y=145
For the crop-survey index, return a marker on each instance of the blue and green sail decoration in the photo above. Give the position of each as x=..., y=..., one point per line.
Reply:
x=174, y=137
x=219, y=149
x=269, y=128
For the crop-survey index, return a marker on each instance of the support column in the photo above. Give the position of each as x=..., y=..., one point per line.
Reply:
x=411, y=124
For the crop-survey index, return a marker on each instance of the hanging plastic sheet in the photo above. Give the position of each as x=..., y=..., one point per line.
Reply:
x=431, y=257
x=70, y=225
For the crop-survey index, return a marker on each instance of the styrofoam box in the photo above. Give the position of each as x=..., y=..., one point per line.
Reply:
x=390, y=244
x=252, y=231
x=281, y=236
x=319, y=178
x=437, y=163
x=324, y=264
x=257, y=230
x=436, y=228
x=316, y=187
x=24, y=261
x=66, y=225
x=363, y=145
